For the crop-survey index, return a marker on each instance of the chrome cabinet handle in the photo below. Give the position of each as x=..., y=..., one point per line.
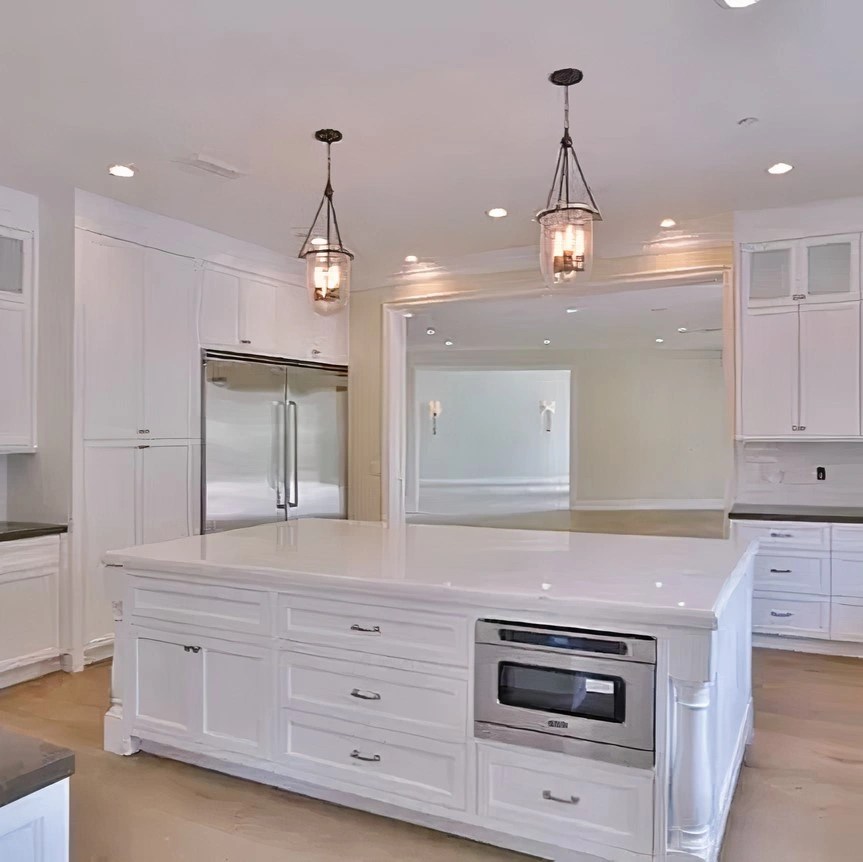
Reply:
x=143, y=430
x=194, y=649
x=372, y=630
x=781, y=614
x=548, y=795
x=774, y=534
x=365, y=695
x=375, y=758
x=245, y=341
x=780, y=571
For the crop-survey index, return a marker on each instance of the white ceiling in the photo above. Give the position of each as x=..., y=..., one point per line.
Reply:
x=445, y=109
x=625, y=320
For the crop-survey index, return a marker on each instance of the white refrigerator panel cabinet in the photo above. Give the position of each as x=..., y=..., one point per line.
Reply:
x=770, y=374
x=165, y=490
x=15, y=388
x=258, y=316
x=220, y=308
x=830, y=370
x=169, y=367
x=112, y=274
x=109, y=522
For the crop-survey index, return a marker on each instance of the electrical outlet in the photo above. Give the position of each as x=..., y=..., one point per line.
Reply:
x=821, y=474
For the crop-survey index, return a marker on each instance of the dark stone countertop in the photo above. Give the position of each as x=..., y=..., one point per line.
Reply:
x=11, y=531
x=28, y=764
x=815, y=514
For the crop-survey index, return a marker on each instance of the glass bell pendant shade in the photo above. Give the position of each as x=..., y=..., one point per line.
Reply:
x=328, y=279
x=566, y=244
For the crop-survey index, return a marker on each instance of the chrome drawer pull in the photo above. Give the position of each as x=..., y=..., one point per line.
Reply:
x=372, y=630
x=365, y=695
x=194, y=649
x=573, y=800
x=375, y=758
x=777, y=535
x=780, y=571
x=781, y=613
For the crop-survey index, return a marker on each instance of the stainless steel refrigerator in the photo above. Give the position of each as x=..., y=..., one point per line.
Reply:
x=274, y=441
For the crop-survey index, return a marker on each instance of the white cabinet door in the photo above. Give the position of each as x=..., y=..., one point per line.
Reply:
x=830, y=268
x=830, y=370
x=165, y=489
x=16, y=406
x=111, y=277
x=220, y=309
x=165, y=685
x=109, y=522
x=769, y=273
x=258, y=315
x=237, y=690
x=296, y=323
x=35, y=828
x=770, y=374
x=169, y=367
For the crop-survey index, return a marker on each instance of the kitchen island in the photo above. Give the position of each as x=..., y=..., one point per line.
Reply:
x=573, y=696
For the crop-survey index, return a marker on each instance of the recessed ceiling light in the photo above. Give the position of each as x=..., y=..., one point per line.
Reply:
x=660, y=340
x=780, y=168
x=319, y=240
x=736, y=4
x=411, y=258
x=409, y=314
x=496, y=212
x=571, y=310
x=682, y=329
x=681, y=604
x=668, y=222
x=431, y=331
x=547, y=341
x=124, y=171
x=448, y=343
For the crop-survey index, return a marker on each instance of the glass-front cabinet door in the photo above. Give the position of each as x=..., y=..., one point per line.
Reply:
x=15, y=263
x=769, y=273
x=830, y=268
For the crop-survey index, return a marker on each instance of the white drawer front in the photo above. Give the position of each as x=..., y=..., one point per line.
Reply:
x=210, y=607
x=794, y=574
x=558, y=799
x=847, y=537
x=848, y=577
x=791, y=614
x=407, y=701
x=785, y=534
x=398, y=632
x=847, y=620
x=388, y=765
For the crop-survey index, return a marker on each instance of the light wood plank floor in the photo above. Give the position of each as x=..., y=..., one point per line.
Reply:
x=800, y=797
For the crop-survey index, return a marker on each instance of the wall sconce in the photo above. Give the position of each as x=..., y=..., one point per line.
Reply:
x=546, y=413
x=434, y=411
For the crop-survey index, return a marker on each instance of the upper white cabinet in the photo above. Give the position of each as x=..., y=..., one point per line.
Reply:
x=251, y=314
x=829, y=370
x=137, y=328
x=17, y=342
x=816, y=269
x=801, y=372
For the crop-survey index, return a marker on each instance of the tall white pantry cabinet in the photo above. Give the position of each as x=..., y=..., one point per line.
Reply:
x=142, y=317
x=801, y=339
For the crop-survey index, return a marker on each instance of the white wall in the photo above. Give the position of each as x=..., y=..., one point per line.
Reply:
x=491, y=429
x=651, y=428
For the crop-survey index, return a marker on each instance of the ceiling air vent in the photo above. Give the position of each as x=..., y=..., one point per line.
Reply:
x=209, y=165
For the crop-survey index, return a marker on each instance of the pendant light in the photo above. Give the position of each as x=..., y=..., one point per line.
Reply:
x=328, y=262
x=566, y=223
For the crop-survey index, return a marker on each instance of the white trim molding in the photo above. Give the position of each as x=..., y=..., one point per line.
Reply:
x=674, y=504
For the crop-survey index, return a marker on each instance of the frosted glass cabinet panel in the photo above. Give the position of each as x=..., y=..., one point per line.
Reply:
x=832, y=268
x=11, y=265
x=770, y=274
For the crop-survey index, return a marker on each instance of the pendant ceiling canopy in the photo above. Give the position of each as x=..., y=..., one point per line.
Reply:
x=328, y=262
x=566, y=223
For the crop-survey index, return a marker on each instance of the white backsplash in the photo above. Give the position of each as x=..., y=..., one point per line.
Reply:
x=785, y=473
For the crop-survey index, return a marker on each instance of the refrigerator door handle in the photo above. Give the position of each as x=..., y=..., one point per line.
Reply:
x=280, y=419
x=294, y=492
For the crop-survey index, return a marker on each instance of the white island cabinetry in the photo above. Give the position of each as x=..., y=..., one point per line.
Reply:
x=336, y=659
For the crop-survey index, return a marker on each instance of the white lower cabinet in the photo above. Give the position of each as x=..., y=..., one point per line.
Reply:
x=202, y=690
x=35, y=828
x=564, y=800
x=792, y=614
x=395, y=766
x=132, y=493
x=401, y=700
x=801, y=573
x=846, y=622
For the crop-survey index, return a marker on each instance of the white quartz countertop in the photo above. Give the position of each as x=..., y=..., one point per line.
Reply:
x=651, y=579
